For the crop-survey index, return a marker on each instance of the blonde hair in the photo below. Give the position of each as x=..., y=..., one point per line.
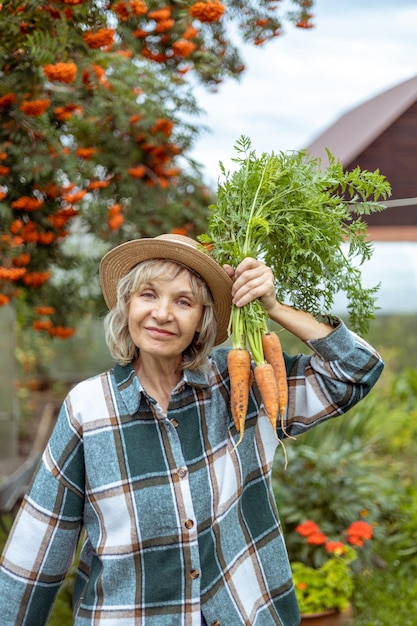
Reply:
x=116, y=331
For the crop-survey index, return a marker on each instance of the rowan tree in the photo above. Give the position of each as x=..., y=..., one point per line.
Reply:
x=95, y=138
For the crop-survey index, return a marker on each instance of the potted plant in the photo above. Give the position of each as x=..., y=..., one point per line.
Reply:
x=324, y=580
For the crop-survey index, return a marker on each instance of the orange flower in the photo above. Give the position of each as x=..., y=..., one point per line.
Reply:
x=263, y=21
x=98, y=184
x=3, y=156
x=172, y=171
x=134, y=118
x=158, y=57
x=40, y=325
x=163, y=183
x=307, y=528
x=140, y=33
x=4, y=170
x=164, y=126
x=29, y=232
x=36, y=279
x=114, y=209
x=61, y=72
x=45, y=239
x=125, y=53
x=62, y=332
x=45, y=310
x=7, y=100
x=26, y=203
x=115, y=221
x=335, y=547
x=183, y=48
x=163, y=13
x=66, y=112
x=101, y=38
x=61, y=217
x=35, y=107
x=122, y=11
x=73, y=198
x=100, y=73
x=137, y=172
x=210, y=11
x=179, y=231
x=12, y=273
x=164, y=25
x=21, y=260
x=190, y=33
x=138, y=7
x=317, y=539
x=3, y=194
x=52, y=190
x=359, y=532
x=86, y=153
x=4, y=299
x=305, y=21
x=134, y=7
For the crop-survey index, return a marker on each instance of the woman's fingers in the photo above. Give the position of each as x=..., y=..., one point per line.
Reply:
x=253, y=279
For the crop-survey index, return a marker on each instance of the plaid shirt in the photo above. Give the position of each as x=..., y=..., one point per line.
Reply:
x=177, y=521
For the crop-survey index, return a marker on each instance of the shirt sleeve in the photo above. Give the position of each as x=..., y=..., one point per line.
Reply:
x=341, y=371
x=44, y=536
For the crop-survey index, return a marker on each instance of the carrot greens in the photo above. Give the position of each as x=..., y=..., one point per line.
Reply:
x=305, y=221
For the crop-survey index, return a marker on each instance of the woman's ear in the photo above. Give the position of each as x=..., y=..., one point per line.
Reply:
x=199, y=325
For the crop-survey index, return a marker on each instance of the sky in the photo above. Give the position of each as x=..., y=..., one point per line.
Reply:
x=298, y=85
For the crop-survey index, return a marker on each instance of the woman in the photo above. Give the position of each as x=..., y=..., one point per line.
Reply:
x=180, y=526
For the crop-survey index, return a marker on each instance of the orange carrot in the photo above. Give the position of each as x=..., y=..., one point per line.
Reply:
x=265, y=379
x=238, y=361
x=273, y=354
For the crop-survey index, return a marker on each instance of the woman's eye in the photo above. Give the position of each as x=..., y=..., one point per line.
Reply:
x=147, y=294
x=184, y=303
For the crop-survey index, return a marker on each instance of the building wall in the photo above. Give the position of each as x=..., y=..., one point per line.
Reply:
x=394, y=153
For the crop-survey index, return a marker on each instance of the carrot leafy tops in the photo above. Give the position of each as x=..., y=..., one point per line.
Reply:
x=306, y=222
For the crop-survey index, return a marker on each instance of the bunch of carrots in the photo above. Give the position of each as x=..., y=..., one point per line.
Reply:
x=236, y=231
x=287, y=210
x=248, y=324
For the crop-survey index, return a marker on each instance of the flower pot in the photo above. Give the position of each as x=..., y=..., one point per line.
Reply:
x=331, y=617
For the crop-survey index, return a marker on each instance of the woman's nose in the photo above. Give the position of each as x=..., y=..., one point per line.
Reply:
x=162, y=310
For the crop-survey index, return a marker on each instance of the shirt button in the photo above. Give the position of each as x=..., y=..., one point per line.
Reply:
x=188, y=523
x=216, y=623
x=182, y=472
x=175, y=422
x=194, y=573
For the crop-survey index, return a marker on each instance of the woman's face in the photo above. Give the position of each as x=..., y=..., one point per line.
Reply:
x=164, y=316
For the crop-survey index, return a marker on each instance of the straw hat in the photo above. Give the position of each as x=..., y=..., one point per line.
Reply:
x=120, y=260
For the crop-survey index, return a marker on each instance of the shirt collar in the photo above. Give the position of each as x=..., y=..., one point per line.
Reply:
x=130, y=388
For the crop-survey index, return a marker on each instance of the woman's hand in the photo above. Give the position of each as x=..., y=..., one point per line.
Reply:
x=252, y=279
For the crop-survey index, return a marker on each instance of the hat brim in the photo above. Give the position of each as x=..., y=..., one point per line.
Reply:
x=120, y=260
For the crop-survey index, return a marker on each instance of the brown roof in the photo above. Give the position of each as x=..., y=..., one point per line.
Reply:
x=357, y=129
